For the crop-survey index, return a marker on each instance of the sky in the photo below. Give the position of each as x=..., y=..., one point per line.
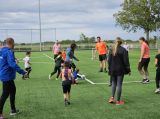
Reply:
x=69, y=17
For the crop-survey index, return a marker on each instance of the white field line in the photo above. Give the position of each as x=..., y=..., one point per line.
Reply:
x=41, y=62
x=87, y=80
x=48, y=56
x=128, y=82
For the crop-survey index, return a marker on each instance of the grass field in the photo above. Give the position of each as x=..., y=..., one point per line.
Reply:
x=41, y=98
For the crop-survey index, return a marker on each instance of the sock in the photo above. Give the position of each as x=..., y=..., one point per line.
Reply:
x=101, y=68
x=104, y=69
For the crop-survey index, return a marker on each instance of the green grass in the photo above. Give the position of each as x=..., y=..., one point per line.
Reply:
x=41, y=98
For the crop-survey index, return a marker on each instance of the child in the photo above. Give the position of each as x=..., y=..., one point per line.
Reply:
x=27, y=64
x=63, y=56
x=57, y=67
x=157, y=64
x=66, y=74
x=75, y=73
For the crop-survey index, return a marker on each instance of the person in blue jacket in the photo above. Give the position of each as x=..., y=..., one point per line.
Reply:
x=70, y=55
x=75, y=73
x=8, y=69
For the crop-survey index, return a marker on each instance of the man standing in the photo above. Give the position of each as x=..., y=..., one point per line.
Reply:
x=8, y=68
x=56, y=49
x=126, y=47
x=101, y=46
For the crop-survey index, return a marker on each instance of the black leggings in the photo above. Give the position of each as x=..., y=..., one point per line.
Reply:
x=157, y=77
x=73, y=66
x=8, y=89
x=117, y=81
x=55, y=70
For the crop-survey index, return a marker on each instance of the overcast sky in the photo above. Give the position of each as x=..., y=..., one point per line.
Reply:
x=69, y=17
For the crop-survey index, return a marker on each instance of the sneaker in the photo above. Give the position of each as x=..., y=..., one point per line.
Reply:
x=110, y=84
x=119, y=103
x=101, y=71
x=66, y=102
x=23, y=78
x=105, y=71
x=49, y=76
x=111, y=100
x=14, y=112
x=147, y=81
x=143, y=80
x=157, y=91
x=56, y=78
x=2, y=116
x=69, y=103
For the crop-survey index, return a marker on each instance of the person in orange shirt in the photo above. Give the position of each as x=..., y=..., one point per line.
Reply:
x=13, y=53
x=63, y=56
x=101, y=46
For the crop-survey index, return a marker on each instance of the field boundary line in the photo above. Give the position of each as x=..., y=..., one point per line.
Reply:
x=48, y=56
x=127, y=82
x=87, y=80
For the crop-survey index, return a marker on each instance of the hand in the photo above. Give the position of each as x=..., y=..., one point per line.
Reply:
x=94, y=56
x=78, y=60
x=26, y=75
x=17, y=61
x=129, y=73
x=71, y=60
x=30, y=64
x=140, y=60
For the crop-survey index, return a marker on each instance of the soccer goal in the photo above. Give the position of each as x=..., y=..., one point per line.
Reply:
x=158, y=35
x=93, y=51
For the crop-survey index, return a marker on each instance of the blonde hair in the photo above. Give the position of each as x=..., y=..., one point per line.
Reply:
x=76, y=70
x=118, y=42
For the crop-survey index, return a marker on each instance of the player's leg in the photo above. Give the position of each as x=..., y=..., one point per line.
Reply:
x=26, y=72
x=12, y=100
x=59, y=71
x=101, y=66
x=73, y=66
x=65, y=94
x=119, y=89
x=5, y=94
x=69, y=89
x=157, y=80
x=55, y=70
x=110, y=81
x=146, y=69
x=140, y=65
x=113, y=90
x=29, y=71
x=104, y=61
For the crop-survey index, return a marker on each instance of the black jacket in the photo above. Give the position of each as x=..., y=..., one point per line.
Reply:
x=58, y=61
x=119, y=64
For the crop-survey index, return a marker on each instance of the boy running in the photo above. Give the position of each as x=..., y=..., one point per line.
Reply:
x=157, y=64
x=101, y=46
x=57, y=67
x=27, y=64
x=66, y=74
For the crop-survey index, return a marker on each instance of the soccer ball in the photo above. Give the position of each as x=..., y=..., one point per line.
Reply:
x=83, y=77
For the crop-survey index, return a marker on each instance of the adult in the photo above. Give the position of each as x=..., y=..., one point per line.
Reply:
x=8, y=68
x=126, y=47
x=101, y=47
x=70, y=55
x=56, y=49
x=118, y=66
x=144, y=60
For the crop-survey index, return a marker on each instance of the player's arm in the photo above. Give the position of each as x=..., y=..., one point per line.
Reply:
x=29, y=62
x=156, y=62
x=72, y=77
x=142, y=53
x=60, y=76
x=95, y=53
x=16, y=59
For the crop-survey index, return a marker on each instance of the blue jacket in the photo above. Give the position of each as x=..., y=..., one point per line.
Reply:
x=8, y=66
x=75, y=75
x=70, y=55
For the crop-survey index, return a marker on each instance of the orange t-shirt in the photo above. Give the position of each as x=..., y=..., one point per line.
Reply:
x=146, y=52
x=101, y=46
x=64, y=56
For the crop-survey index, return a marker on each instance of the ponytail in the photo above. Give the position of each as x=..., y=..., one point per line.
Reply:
x=118, y=42
x=146, y=41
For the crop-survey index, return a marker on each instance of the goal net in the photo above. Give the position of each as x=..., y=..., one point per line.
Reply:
x=158, y=35
x=93, y=52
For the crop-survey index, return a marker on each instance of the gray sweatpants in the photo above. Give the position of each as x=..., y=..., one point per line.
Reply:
x=117, y=81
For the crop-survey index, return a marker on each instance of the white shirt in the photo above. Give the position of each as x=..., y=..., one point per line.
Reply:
x=26, y=64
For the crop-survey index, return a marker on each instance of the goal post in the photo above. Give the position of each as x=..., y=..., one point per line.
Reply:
x=93, y=51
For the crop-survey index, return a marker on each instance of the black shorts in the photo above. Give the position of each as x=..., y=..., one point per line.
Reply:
x=144, y=63
x=66, y=88
x=102, y=57
x=55, y=56
x=28, y=68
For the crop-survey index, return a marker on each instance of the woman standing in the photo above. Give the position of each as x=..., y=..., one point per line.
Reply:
x=144, y=60
x=70, y=55
x=118, y=63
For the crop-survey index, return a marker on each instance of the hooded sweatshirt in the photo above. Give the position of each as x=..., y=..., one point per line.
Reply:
x=58, y=61
x=70, y=55
x=8, y=66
